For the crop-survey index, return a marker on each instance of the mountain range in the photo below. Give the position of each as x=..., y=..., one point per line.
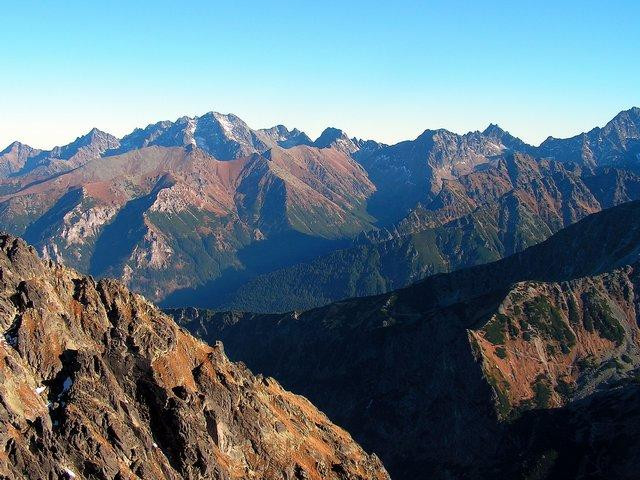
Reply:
x=526, y=367
x=206, y=211
x=466, y=306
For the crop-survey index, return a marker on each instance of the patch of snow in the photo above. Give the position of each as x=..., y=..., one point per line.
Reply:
x=40, y=389
x=226, y=125
x=155, y=444
x=190, y=132
x=69, y=472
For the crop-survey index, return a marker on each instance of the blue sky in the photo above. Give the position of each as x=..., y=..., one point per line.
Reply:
x=383, y=70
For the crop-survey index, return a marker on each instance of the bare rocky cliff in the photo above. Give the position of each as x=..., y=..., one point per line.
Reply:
x=95, y=382
x=550, y=343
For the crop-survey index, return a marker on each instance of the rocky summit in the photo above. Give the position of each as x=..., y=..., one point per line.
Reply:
x=97, y=383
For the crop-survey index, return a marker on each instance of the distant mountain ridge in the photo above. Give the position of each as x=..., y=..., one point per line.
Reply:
x=27, y=160
x=226, y=136
x=223, y=136
x=213, y=196
x=618, y=142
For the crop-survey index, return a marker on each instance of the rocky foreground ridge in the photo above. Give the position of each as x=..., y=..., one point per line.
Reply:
x=95, y=382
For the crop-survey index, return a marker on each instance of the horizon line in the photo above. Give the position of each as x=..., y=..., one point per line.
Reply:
x=468, y=132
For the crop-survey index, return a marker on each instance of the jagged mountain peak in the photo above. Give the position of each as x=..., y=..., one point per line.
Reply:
x=444, y=135
x=618, y=142
x=283, y=137
x=633, y=113
x=329, y=135
x=626, y=124
x=17, y=146
x=12, y=146
x=184, y=119
x=493, y=130
x=94, y=142
x=336, y=138
x=281, y=130
x=225, y=136
x=21, y=160
x=429, y=133
x=14, y=157
x=223, y=118
x=96, y=135
x=96, y=131
x=91, y=135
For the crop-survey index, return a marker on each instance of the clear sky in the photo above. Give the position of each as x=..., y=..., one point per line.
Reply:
x=383, y=70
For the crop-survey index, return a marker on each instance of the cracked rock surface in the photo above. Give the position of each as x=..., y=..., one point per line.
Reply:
x=95, y=382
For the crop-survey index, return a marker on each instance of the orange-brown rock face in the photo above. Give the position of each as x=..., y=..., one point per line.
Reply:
x=550, y=343
x=168, y=218
x=97, y=383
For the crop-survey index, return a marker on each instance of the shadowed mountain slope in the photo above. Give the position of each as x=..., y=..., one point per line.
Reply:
x=452, y=377
x=481, y=217
x=166, y=219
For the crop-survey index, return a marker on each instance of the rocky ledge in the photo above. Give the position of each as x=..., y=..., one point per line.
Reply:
x=95, y=382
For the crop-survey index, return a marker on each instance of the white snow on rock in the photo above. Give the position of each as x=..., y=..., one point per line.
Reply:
x=69, y=472
x=190, y=132
x=225, y=123
x=41, y=389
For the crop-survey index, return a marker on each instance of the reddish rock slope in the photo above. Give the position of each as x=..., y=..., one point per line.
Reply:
x=95, y=382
